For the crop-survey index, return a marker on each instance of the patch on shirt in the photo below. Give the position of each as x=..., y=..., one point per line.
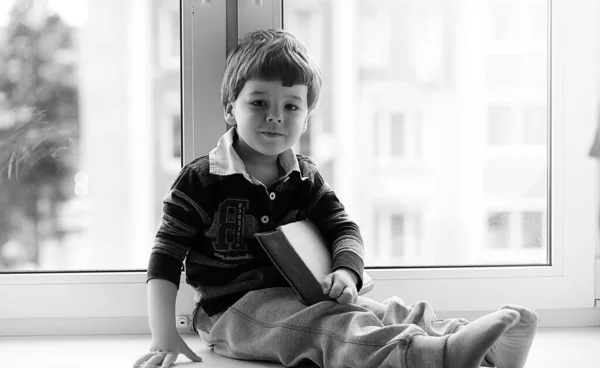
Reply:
x=230, y=221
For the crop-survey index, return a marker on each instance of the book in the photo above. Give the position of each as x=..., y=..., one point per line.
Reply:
x=303, y=257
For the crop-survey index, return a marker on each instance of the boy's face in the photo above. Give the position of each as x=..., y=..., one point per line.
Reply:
x=270, y=118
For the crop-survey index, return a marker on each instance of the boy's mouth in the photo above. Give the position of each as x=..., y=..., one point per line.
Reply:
x=271, y=134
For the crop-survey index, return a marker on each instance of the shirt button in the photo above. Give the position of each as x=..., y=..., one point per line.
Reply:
x=264, y=219
x=272, y=195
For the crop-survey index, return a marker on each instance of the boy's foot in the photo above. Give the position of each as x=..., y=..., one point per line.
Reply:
x=467, y=347
x=512, y=348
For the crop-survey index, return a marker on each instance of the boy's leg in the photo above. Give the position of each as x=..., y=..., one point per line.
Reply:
x=510, y=350
x=393, y=311
x=272, y=324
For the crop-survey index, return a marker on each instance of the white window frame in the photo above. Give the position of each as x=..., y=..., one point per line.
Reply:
x=97, y=303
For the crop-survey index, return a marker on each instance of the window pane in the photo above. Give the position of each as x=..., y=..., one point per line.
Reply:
x=89, y=131
x=468, y=80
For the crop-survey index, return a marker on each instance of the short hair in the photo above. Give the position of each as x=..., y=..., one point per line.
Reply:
x=271, y=55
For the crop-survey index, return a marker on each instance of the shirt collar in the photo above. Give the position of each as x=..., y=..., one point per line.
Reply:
x=225, y=161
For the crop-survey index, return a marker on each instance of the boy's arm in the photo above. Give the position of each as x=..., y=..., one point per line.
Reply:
x=330, y=216
x=178, y=229
x=161, y=307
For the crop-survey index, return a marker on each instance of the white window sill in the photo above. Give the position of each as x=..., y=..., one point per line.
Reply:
x=553, y=347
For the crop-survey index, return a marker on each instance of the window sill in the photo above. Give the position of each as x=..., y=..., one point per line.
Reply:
x=576, y=347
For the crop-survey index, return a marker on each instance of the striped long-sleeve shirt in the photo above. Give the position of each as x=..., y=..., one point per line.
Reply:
x=213, y=210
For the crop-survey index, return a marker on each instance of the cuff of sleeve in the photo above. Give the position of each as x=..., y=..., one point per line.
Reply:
x=162, y=266
x=352, y=261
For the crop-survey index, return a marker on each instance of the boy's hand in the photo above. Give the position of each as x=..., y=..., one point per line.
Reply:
x=341, y=285
x=164, y=352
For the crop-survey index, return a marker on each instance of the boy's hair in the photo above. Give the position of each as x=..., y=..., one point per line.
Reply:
x=270, y=55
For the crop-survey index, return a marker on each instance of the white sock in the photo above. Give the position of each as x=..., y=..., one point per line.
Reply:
x=512, y=348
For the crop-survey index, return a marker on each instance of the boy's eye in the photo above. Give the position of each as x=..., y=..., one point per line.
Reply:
x=258, y=103
x=291, y=107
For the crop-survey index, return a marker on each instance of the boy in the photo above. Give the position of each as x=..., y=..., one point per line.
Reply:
x=252, y=182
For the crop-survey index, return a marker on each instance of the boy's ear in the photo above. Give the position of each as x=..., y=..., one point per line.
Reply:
x=305, y=124
x=229, y=118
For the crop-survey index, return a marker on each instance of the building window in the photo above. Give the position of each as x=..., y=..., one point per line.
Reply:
x=396, y=237
x=170, y=135
x=169, y=38
x=396, y=137
x=515, y=229
x=532, y=229
x=498, y=230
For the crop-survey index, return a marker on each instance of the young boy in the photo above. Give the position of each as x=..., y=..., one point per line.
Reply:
x=253, y=182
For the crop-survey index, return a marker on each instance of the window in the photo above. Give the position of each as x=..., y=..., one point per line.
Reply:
x=480, y=139
x=170, y=133
x=88, y=158
x=456, y=186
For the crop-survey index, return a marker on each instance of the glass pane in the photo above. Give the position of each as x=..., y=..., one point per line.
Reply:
x=459, y=90
x=89, y=131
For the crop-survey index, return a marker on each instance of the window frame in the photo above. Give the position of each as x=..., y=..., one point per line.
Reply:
x=115, y=302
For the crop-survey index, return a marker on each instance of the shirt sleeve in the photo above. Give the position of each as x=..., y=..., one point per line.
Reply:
x=329, y=215
x=178, y=228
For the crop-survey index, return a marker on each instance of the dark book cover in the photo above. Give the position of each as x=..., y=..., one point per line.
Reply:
x=303, y=257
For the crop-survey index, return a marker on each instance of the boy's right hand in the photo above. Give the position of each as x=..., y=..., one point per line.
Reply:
x=164, y=351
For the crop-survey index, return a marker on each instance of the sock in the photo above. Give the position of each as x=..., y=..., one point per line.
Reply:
x=512, y=348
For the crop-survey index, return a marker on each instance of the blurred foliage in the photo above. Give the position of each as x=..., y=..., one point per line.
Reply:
x=39, y=129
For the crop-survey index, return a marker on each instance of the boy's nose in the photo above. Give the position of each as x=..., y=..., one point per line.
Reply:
x=274, y=116
x=272, y=119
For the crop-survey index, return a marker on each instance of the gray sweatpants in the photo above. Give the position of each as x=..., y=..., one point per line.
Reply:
x=274, y=325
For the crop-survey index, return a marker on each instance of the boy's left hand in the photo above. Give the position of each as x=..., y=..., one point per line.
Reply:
x=341, y=285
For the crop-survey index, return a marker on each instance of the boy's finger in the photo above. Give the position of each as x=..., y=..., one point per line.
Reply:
x=142, y=360
x=347, y=296
x=327, y=282
x=336, y=289
x=190, y=354
x=157, y=359
x=170, y=359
